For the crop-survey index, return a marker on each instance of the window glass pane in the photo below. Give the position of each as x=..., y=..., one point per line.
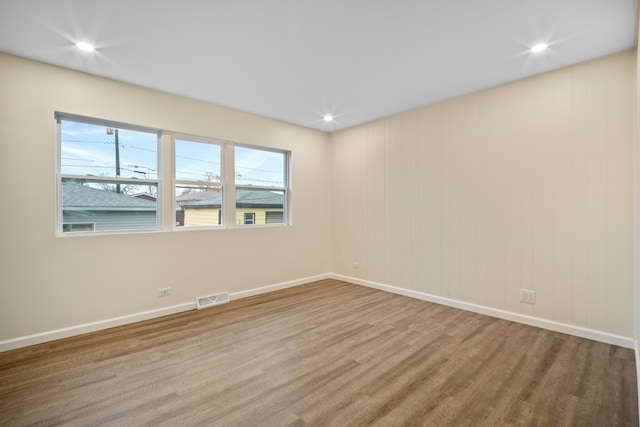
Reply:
x=95, y=150
x=259, y=167
x=274, y=217
x=196, y=161
x=78, y=226
x=96, y=206
x=249, y=218
x=198, y=203
x=259, y=203
x=198, y=206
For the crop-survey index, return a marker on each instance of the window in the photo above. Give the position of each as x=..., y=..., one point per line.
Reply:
x=249, y=218
x=78, y=226
x=261, y=181
x=107, y=176
x=273, y=217
x=109, y=180
x=198, y=183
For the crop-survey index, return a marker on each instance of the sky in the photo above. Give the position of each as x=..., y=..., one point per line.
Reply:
x=89, y=150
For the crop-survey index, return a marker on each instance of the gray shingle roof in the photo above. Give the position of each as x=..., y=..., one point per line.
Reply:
x=201, y=199
x=244, y=199
x=259, y=199
x=82, y=197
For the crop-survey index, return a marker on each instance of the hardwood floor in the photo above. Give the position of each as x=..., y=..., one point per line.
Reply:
x=327, y=353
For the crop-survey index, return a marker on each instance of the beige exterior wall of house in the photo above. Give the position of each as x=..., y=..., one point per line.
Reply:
x=260, y=214
x=201, y=217
x=208, y=216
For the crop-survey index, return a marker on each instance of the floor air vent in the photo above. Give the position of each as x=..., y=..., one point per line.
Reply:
x=211, y=300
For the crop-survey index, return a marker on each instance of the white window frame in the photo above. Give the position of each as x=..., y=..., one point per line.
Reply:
x=166, y=173
x=222, y=185
x=286, y=188
x=59, y=117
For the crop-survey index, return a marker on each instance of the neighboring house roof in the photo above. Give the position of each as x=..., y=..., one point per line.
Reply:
x=259, y=199
x=76, y=196
x=145, y=196
x=244, y=199
x=200, y=199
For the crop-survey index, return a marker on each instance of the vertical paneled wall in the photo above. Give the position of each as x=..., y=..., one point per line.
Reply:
x=636, y=180
x=524, y=186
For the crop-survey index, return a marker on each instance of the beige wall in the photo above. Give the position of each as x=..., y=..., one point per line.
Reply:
x=50, y=282
x=527, y=185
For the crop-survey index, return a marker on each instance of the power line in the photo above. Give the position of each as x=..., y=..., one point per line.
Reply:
x=135, y=147
x=123, y=145
x=197, y=160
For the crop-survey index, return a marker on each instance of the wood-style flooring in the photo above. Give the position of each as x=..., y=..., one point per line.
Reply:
x=327, y=353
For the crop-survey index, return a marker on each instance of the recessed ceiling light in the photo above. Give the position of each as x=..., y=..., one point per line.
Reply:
x=328, y=118
x=539, y=47
x=87, y=47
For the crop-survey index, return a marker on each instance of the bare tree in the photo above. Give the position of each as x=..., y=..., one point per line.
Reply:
x=126, y=189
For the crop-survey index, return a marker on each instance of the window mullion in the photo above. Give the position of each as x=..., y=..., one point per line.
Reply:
x=165, y=187
x=229, y=192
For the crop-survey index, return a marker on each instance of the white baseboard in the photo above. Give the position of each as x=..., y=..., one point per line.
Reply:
x=92, y=327
x=507, y=315
x=284, y=285
x=56, y=334
x=637, y=349
x=501, y=314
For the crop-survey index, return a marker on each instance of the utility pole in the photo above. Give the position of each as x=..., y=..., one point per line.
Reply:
x=111, y=131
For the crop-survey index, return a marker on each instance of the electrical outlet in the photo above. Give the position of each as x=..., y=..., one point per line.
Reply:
x=163, y=292
x=355, y=265
x=528, y=296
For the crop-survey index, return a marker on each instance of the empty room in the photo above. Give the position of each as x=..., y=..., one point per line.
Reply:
x=289, y=213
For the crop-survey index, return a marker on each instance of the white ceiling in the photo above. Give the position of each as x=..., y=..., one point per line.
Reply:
x=297, y=60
